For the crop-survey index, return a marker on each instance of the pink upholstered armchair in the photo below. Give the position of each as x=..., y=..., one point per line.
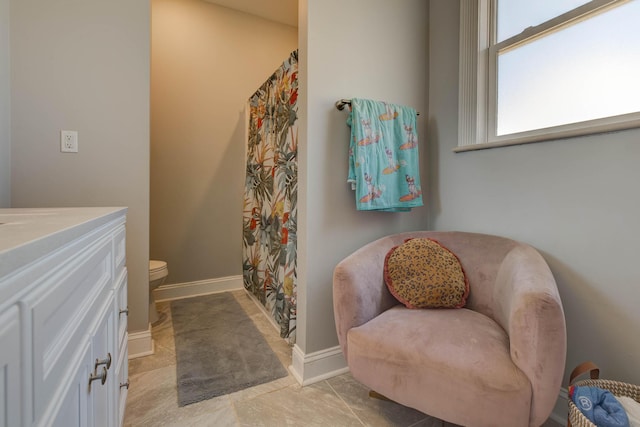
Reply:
x=497, y=362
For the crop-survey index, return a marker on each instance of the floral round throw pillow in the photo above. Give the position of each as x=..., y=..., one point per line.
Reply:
x=421, y=273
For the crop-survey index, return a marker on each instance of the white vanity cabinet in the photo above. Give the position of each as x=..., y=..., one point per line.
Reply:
x=63, y=317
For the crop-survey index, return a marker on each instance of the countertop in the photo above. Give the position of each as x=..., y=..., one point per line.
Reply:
x=30, y=233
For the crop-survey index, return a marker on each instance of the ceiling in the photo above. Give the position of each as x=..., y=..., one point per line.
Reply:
x=282, y=11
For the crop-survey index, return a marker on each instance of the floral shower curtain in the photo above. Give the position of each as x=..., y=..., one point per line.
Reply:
x=271, y=195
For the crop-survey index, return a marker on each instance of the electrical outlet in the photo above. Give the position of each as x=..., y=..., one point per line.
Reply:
x=69, y=141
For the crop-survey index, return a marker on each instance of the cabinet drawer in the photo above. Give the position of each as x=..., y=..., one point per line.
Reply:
x=63, y=313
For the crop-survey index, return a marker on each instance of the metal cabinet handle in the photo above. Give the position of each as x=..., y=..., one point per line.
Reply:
x=125, y=311
x=102, y=377
x=125, y=385
x=106, y=361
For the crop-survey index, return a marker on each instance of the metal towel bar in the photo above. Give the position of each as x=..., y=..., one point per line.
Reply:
x=341, y=103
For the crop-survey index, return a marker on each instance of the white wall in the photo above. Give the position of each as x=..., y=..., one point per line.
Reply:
x=576, y=200
x=84, y=65
x=206, y=62
x=362, y=48
x=5, y=108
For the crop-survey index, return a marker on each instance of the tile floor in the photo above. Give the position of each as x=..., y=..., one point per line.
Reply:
x=338, y=401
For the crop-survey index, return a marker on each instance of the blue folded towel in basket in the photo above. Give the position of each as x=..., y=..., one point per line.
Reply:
x=599, y=406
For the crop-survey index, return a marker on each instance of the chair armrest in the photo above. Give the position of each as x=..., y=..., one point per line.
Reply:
x=359, y=291
x=530, y=310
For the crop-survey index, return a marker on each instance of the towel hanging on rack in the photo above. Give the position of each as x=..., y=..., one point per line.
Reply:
x=383, y=156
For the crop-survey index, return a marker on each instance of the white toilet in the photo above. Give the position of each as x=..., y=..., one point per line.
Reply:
x=158, y=271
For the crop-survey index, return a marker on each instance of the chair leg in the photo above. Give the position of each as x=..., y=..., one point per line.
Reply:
x=377, y=395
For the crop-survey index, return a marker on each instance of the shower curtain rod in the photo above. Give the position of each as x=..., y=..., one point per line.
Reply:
x=342, y=102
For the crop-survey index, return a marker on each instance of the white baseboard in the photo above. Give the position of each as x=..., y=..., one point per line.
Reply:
x=140, y=344
x=200, y=287
x=320, y=365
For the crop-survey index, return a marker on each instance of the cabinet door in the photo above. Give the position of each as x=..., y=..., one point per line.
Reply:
x=63, y=313
x=121, y=310
x=123, y=383
x=10, y=368
x=121, y=314
x=90, y=403
x=102, y=396
x=74, y=410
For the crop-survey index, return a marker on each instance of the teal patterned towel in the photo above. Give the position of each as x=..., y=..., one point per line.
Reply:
x=383, y=156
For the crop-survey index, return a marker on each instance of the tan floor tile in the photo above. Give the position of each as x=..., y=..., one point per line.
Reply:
x=246, y=302
x=429, y=422
x=375, y=412
x=548, y=423
x=151, y=394
x=163, y=342
x=311, y=406
x=162, y=357
x=270, y=387
x=224, y=417
x=162, y=331
x=153, y=401
x=279, y=346
x=552, y=423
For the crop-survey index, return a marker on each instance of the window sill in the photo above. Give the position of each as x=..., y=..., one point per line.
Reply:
x=595, y=127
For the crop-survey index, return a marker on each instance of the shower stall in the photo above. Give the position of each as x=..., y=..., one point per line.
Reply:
x=270, y=196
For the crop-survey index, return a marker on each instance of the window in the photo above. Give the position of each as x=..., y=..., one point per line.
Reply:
x=533, y=71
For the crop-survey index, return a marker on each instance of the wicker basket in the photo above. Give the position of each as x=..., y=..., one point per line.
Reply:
x=617, y=388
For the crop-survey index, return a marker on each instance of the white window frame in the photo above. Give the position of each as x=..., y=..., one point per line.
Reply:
x=477, y=99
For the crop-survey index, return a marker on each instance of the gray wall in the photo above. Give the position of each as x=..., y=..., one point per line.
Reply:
x=84, y=65
x=362, y=48
x=576, y=200
x=5, y=108
x=206, y=61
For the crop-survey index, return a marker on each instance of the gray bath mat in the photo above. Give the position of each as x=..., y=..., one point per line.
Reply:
x=218, y=349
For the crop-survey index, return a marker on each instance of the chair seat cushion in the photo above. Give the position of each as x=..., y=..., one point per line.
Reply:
x=420, y=358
